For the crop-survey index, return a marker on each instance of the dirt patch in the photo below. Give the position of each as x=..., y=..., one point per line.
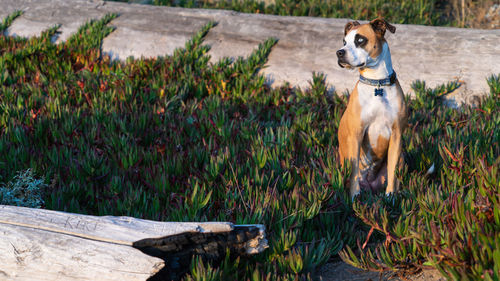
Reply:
x=340, y=271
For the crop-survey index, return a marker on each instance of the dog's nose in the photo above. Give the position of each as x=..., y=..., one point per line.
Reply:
x=340, y=53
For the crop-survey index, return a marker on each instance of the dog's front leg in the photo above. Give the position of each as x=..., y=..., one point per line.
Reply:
x=350, y=135
x=393, y=158
x=354, y=152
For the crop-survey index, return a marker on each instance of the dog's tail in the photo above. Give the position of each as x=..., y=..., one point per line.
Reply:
x=431, y=170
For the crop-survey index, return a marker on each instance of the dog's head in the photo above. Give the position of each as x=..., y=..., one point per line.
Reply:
x=363, y=43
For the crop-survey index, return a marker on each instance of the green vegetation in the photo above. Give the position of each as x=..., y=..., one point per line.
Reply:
x=429, y=12
x=24, y=190
x=180, y=139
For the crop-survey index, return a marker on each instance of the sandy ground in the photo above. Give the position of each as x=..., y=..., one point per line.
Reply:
x=340, y=271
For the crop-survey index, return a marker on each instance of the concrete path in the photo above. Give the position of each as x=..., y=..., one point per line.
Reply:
x=434, y=54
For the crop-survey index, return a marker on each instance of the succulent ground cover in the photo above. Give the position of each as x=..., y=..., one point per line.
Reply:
x=460, y=13
x=178, y=138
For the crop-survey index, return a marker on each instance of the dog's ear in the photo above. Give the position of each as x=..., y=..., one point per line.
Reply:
x=349, y=26
x=381, y=25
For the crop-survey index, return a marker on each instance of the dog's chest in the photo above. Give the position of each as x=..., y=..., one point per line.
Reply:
x=378, y=109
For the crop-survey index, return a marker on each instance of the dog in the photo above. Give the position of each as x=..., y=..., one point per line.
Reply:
x=372, y=125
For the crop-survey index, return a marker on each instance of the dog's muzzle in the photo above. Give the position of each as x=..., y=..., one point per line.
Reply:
x=341, y=58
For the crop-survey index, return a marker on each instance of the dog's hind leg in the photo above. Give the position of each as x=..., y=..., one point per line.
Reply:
x=393, y=159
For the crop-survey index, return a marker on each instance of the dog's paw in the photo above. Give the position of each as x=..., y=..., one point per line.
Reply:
x=391, y=197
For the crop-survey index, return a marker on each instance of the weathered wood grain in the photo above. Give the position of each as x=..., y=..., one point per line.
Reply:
x=32, y=254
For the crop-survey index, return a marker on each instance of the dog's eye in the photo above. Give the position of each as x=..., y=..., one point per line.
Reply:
x=359, y=40
x=344, y=42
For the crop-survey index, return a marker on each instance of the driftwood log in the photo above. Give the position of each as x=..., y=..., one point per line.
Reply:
x=432, y=54
x=37, y=244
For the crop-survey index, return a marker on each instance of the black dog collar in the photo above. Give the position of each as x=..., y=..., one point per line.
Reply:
x=378, y=83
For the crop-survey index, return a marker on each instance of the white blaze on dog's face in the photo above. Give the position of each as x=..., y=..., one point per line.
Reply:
x=356, y=55
x=363, y=43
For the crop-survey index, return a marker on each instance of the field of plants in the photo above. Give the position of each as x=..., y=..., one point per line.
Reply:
x=180, y=139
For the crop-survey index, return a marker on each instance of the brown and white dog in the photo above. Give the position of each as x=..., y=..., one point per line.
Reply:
x=372, y=125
